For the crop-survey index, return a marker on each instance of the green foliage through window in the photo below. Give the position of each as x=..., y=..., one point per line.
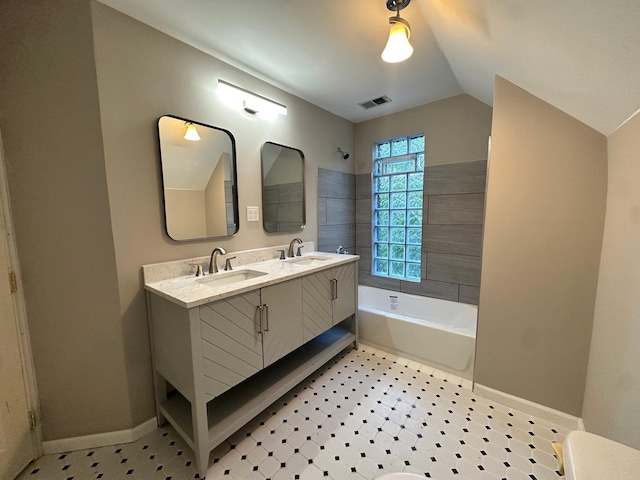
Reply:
x=398, y=179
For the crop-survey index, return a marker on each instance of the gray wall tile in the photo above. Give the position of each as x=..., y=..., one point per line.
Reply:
x=351, y=246
x=458, y=239
x=430, y=288
x=469, y=294
x=289, y=227
x=290, y=192
x=330, y=236
x=290, y=212
x=460, y=269
x=425, y=209
x=322, y=212
x=469, y=177
x=456, y=209
x=340, y=211
x=363, y=210
x=363, y=235
x=332, y=184
x=363, y=186
x=270, y=212
x=378, y=282
x=365, y=259
x=452, y=229
x=270, y=194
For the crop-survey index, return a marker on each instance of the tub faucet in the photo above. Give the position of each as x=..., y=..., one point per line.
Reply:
x=293, y=242
x=213, y=262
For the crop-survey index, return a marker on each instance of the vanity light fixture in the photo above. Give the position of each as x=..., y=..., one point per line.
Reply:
x=398, y=47
x=191, y=133
x=248, y=101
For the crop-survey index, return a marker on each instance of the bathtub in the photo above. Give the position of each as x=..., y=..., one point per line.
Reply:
x=427, y=330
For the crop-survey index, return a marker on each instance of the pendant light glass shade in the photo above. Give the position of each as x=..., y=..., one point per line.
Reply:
x=191, y=133
x=398, y=47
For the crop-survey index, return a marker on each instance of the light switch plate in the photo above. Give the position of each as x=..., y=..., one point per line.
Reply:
x=253, y=214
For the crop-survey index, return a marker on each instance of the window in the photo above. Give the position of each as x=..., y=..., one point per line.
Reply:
x=398, y=176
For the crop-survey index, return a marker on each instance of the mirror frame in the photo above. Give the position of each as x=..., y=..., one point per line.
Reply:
x=303, y=222
x=234, y=176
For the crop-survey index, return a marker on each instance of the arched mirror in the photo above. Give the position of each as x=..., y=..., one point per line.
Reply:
x=199, y=179
x=283, y=206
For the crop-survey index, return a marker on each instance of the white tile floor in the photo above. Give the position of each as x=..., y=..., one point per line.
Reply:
x=364, y=414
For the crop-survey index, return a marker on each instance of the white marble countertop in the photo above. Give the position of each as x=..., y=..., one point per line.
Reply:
x=191, y=291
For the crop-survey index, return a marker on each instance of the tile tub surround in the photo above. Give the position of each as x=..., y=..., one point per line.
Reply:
x=336, y=210
x=453, y=216
x=364, y=414
x=169, y=281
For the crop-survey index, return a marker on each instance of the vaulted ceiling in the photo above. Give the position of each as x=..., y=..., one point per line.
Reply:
x=583, y=56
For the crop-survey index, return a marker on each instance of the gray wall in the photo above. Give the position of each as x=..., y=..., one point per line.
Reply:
x=456, y=134
x=613, y=377
x=87, y=86
x=162, y=75
x=544, y=221
x=456, y=130
x=50, y=121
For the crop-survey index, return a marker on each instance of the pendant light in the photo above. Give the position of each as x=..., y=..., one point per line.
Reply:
x=191, y=133
x=398, y=47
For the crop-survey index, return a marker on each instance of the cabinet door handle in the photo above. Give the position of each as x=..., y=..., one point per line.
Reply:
x=266, y=329
x=334, y=289
x=259, y=308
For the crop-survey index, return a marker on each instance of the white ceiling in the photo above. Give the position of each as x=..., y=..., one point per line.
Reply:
x=583, y=56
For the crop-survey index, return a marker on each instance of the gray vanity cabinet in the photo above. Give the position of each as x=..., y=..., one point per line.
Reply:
x=344, y=295
x=231, y=342
x=281, y=326
x=328, y=297
x=216, y=364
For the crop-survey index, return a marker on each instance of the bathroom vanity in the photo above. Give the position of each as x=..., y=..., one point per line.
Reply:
x=227, y=345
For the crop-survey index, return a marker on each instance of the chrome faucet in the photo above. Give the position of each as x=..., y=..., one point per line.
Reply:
x=213, y=263
x=293, y=242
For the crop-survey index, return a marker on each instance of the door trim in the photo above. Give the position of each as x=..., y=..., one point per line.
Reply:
x=20, y=309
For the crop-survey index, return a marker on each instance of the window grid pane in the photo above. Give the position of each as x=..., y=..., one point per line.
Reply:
x=398, y=180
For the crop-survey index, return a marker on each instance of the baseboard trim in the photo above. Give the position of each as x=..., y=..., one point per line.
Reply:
x=99, y=439
x=546, y=413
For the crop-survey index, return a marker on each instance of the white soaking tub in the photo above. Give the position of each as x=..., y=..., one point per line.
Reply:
x=427, y=330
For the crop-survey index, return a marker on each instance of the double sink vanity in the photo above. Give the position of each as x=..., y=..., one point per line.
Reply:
x=226, y=345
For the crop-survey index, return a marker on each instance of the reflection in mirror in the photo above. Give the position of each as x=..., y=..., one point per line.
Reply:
x=283, y=208
x=199, y=179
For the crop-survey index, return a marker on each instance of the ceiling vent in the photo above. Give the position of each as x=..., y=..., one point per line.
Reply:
x=375, y=102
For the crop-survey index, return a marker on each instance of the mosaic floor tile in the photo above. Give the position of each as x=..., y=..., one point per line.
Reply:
x=364, y=414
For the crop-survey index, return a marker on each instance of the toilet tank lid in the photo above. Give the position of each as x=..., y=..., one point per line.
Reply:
x=592, y=457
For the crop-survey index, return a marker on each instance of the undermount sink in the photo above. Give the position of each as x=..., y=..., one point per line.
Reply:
x=227, y=278
x=308, y=260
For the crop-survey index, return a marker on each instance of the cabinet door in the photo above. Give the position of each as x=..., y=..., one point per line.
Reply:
x=282, y=319
x=344, y=303
x=317, y=311
x=231, y=342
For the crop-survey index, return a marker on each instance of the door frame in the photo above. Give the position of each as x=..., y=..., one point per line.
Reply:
x=20, y=310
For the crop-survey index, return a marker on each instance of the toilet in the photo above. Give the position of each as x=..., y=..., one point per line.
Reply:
x=399, y=476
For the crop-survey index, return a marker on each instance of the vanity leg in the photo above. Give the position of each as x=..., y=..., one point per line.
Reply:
x=200, y=436
x=160, y=385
